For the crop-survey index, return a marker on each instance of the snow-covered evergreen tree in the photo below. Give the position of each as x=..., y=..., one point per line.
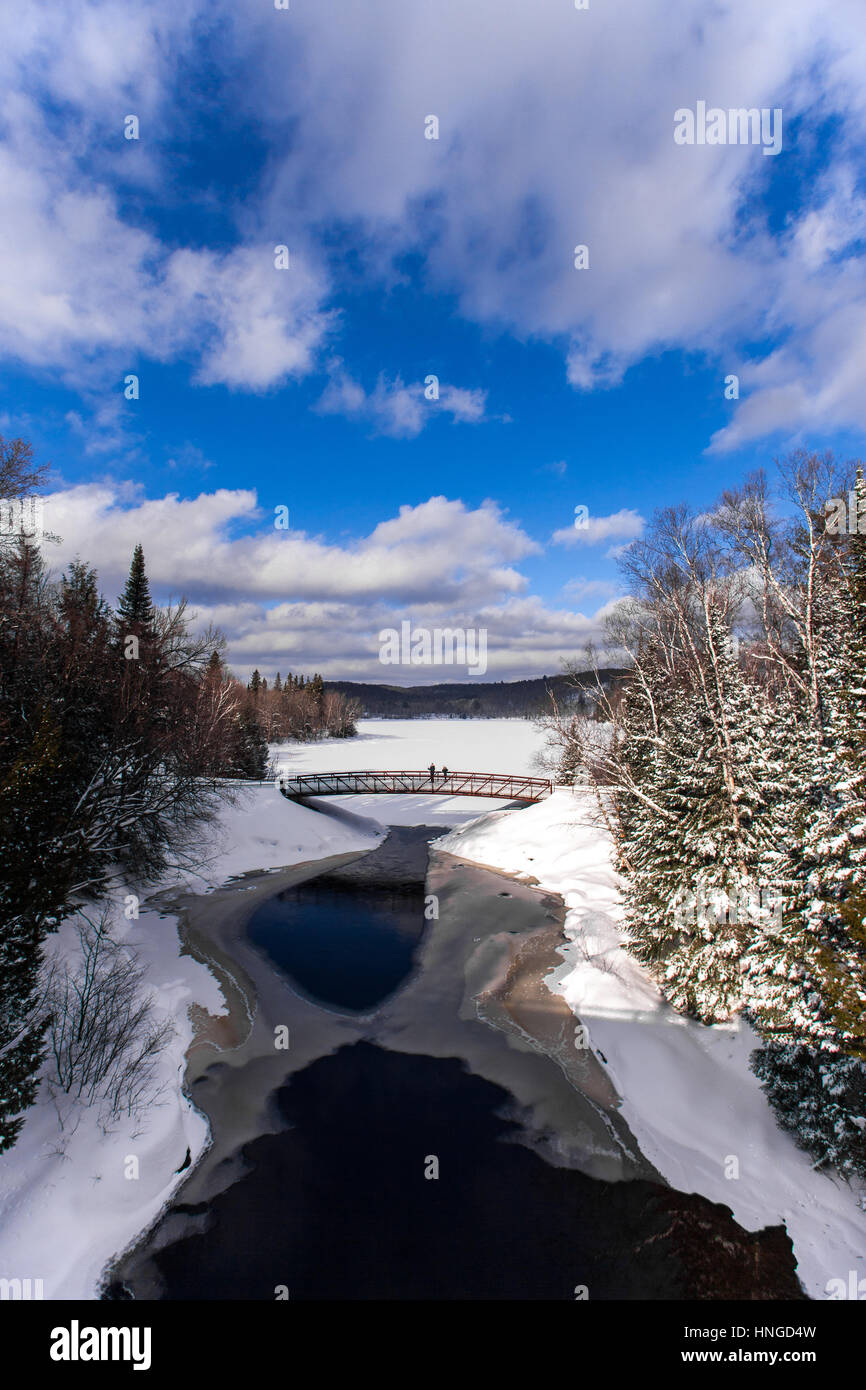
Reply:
x=694, y=853
x=811, y=1002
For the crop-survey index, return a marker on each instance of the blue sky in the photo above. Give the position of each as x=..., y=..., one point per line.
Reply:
x=303, y=387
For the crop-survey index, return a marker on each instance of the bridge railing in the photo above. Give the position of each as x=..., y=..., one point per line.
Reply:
x=386, y=781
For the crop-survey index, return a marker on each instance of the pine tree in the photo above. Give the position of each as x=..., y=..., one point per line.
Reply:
x=135, y=610
x=278, y=683
x=255, y=684
x=99, y=770
x=39, y=865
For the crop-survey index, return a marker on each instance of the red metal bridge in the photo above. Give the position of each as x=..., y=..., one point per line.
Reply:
x=493, y=784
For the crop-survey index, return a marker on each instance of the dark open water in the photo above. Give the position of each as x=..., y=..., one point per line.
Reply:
x=346, y=944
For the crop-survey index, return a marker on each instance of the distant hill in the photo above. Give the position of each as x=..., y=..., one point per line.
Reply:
x=471, y=699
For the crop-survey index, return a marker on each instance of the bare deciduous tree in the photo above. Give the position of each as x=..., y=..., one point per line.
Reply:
x=104, y=1039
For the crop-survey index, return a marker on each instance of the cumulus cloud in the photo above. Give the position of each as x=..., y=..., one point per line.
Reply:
x=290, y=601
x=815, y=379
x=524, y=638
x=88, y=290
x=437, y=551
x=580, y=150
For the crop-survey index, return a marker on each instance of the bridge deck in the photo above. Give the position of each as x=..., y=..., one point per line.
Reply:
x=502, y=786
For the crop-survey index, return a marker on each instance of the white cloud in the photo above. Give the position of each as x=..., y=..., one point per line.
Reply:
x=264, y=324
x=87, y=291
x=625, y=524
x=815, y=380
x=580, y=589
x=292, y=601
x=556, y=128
x=189, y=457
x=394, y=408
x=438, y=551
x=465, y=406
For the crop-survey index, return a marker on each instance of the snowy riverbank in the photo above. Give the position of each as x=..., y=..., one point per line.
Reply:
x=689, y=1097
x=72, y=1197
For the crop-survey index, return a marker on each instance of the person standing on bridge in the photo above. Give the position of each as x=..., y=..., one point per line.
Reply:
x=444, y=772
x=432, y=770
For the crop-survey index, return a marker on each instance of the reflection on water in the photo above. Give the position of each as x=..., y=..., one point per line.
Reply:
x=344, y=944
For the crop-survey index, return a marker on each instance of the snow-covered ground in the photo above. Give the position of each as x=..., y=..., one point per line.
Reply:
x=66, y=1204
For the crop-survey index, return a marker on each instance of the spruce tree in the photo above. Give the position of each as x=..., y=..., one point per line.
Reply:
x=135, y=610
x=813, y=1063
x=251, y=747
x=693, y=846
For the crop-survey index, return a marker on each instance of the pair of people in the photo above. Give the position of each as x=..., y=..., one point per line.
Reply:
x=432, y=770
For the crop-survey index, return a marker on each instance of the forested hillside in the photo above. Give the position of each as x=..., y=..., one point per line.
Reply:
x=473, y=699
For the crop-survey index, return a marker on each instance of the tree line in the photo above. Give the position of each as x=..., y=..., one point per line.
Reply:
x=301, y=709
x=120, y=732
x=731, y=773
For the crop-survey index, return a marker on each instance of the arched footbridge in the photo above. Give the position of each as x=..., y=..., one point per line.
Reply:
x=502, y=786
